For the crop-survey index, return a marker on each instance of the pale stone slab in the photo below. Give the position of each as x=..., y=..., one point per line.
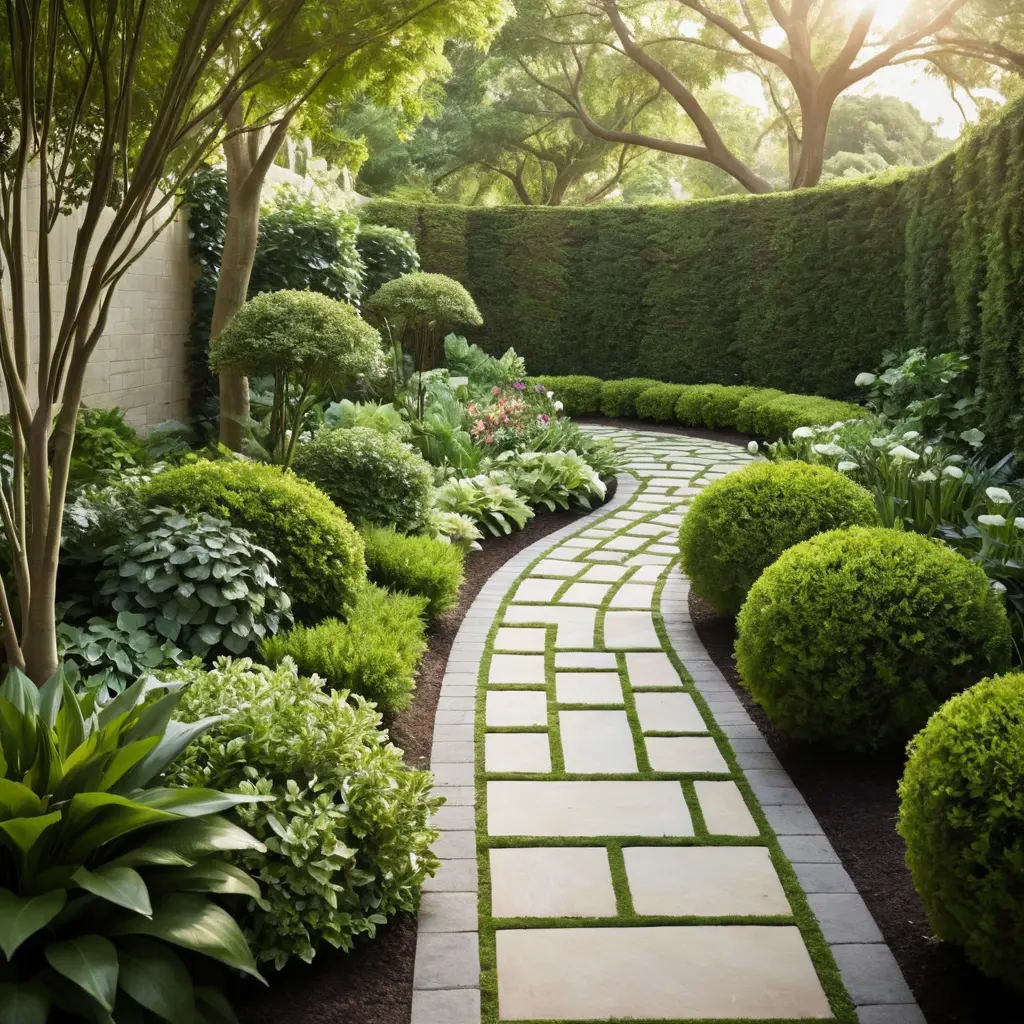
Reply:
x=588, y=688
x=575, y=624
x=517, y=668
x=585, y=659
x=704, y=971
x=646, y=559
x=605, y=556
x=577, y=542
x=604, y=573
x=585, y=593
x=534, y=589
x=653, y=669
x=684, y=754
x=551, y=882
x=704, y=881
x=663, y=549
x=625, y=544
x=725, y=811
x=587, y=808
x=646, y=574
x=549, y=567
x=648, y=529
x=629, y=631
x=520, y=640
x=668, y=712
x=633, y=595
x=669, y=519
x=597, y=742
x=517, y=752
x=507, y=707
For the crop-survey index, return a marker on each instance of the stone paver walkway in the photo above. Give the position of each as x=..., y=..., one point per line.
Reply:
x=619, y=841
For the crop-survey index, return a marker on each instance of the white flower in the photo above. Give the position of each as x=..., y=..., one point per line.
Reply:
x=828, y=449
x=998, y=495
x=928, y=449
x=999, y=588
x=753, y=447
x=551, y=394
x=903, y=452
x=879, y=442
x=559, y=406
x=911, y=435
x=972, y=436
x=1019, y=522
x=927, y=476
x=954, y=472
x=847, y=467
x=802, y=432
x=992, y=520
x=864, y=380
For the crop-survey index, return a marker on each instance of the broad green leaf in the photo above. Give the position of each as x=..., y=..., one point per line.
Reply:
x=51, y=693
x=21, y=692
x=129, y=698
x=121, y=885
x=155, y=978
x=17, y=800
x=23, y=1004
x=215, y=1005
x=90, y=962
x=17, y=738
x=125, y=759
x=153, y=719
x=70, y=725
x=175, y=739
x=47, y=770
x=209, y=876
x=96, y=818
x=21, y=834
x=23, y=916
x=189, y=840
x=195, y=802
x=195, y=923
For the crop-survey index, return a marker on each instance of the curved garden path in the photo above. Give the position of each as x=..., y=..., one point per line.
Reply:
x=618, y=841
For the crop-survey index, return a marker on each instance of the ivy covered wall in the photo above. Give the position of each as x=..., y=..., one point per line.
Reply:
x=799, y=291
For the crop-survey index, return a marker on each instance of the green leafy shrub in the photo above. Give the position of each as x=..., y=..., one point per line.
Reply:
x=690, y=403
x=562, y=435
x=415, y=565
x=305, y=342
x=962, y=818
x=170, y=441
x=855, y=637
x=659, y=403
x=487, y=499
x=387, y=253
x=384, y=418
x=103, y=871
x=374, y=652
x=374, y=477
x=320, y=555
x=618, y=397
x=347, y=837
x=581, y=396
x=454, y=528
x=749, y=408
x=484, y=372
x=720, y=408
x=199, y=581
x=782, y=415
x=109, y=656
x=739, y=525
x=552, y=479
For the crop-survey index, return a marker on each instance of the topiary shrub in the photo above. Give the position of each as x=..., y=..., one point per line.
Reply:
x=659, y=403
x=962, y=818
x=580, y=395
x=374, y=477
x=347, y=834
x=855, y=637
x=692, y=398
x=416, y=565
x=618, y=397
x=749, y=408
x=374, y=652
x=721, y=404
x=320, y=555
x=387, y=253
x=781, y=416
x=740, y=524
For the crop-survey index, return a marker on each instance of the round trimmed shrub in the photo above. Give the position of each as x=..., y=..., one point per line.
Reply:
x=856, y=636
x=740, y=524
x=722, y=403
x=618, y=397
x=659, y=403
x=962, y=818
x=691, y=401
x=580, y=395
x=432, y=300
x=376, y=478
x=319, y=552
x=747, y=412
x=781, y=416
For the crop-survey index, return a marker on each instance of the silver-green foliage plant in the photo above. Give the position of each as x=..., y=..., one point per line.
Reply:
x=483, y=370
x=562, y=434
x=382, y=417
x=104, y=873
x=199, y=581
x=552, y=479
x=487, y=499
x=348, y=837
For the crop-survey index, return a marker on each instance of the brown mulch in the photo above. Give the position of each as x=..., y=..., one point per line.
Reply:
x=373, y=984
x=854, y=798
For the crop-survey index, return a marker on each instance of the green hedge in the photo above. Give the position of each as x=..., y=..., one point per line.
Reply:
x=798, y=291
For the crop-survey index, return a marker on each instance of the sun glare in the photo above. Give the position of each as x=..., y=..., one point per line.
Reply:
x=887, y=12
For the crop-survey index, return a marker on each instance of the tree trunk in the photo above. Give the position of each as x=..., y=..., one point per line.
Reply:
x=810, y=156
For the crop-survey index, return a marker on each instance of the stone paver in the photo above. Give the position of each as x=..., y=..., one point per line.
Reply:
x=621, y=747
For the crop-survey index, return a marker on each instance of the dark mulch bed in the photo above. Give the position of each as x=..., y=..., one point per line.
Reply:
x=373, y=984
x=854, y=798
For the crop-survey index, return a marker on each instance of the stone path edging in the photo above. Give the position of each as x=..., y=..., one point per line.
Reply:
x=447, y=986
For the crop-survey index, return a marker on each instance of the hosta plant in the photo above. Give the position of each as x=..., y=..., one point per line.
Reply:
x=201, y=582
x=552, y=479
x=104, y=873
x=488, y=500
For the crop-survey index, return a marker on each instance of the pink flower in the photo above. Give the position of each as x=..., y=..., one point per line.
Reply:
x=519, y=386
x=495, y=390
x=539, y=388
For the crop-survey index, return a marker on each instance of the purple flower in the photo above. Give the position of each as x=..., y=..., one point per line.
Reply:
x=519, y=386
x=539, y=388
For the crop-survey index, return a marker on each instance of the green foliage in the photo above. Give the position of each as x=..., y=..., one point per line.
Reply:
x=555, y=480
x=962, y=818
x=103, y=872
x=374, y=477
x=386, y=253
x=425, y=300
x=374, y=652
x=748, y=412
x=111, y=655
x=415, y=565
x=384, y=418
x=488, y=500
x=170, y=441
x=855, y=637
x=484, y=371
x=659, y=403
x=320, y=555
x=562, y=435
x=618, y=397
x=737, y=526
x=581, y=396
x=347, y=838
x=720, y=405
x=197, y=581
x=780, y=416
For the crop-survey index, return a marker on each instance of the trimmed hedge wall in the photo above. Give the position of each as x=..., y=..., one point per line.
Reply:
x=798, y=291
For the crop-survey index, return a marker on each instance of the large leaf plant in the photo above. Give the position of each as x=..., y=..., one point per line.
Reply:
x=105, y=875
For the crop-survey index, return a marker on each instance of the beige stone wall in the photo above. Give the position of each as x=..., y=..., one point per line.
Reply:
x=139, y=364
